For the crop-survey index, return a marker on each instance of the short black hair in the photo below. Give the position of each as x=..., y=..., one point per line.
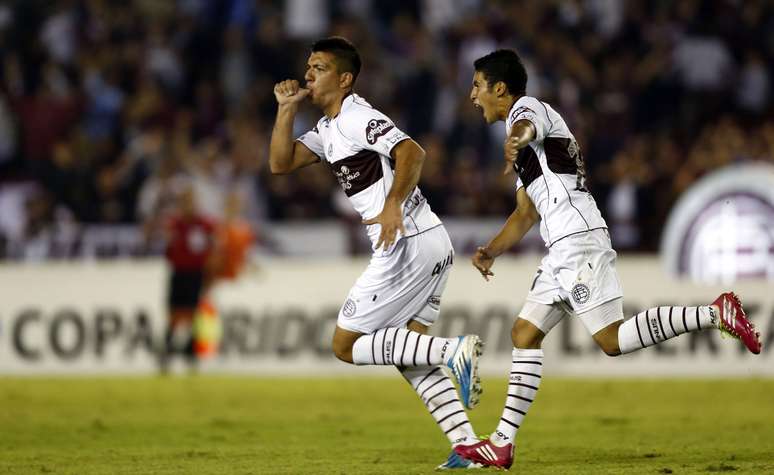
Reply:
x=506, y=66
x=347, y=57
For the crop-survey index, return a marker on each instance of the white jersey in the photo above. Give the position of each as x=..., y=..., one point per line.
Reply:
x=552, y=171
x=356, y=145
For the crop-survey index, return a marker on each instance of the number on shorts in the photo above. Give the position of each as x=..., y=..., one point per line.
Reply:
x=537, y=276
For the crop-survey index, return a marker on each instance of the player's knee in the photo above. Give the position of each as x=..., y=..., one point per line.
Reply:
x=342, y=350
x=525, y=335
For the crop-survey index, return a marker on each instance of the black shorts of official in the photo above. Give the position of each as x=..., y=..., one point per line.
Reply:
x=184, y=289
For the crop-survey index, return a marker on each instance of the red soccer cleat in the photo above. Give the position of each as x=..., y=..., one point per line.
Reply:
x=733, y=321
x=487, y=454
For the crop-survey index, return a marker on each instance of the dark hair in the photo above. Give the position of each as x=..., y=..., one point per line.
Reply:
x=347, y=57
x=503, y=65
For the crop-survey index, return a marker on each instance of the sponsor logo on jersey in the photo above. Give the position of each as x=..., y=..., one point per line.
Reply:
x=376, y=128
x=349, y=308
x=580, y=293
x=519, y=111
x=441, y=265
x=397, y=138
x=345, y=176
x=413, y=201
x=434, y=301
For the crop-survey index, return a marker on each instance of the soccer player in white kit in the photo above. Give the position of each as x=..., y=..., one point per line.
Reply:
x=385, y=317
x=577, y=277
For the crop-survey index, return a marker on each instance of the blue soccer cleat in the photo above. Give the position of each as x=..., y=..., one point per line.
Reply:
x=455, y=461
x=464, y=367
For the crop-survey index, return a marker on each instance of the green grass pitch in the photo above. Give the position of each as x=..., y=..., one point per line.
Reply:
x=247, y=425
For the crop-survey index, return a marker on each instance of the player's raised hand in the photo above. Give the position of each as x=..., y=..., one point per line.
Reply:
x=289, y=92
x=511, y=153
x=483, y=262
x=391, y=220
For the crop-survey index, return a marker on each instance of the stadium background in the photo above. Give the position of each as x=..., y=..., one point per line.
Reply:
x=107, y=108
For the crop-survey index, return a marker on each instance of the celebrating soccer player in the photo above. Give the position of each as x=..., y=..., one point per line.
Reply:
x=577, y=277
x=385, y=317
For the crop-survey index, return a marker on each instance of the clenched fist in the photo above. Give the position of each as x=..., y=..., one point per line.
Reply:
x=289, y=92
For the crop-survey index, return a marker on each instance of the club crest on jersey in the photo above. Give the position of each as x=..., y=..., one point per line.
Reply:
x=580, y=293
x=376, y=128
x=349, y=308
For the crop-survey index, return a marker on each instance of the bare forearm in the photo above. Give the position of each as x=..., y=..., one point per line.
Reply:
x=522, y=134
x=408, y=169
x=281, y=148
x=510, y=234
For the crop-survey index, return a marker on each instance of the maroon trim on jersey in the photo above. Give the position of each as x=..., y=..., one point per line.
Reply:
x=358, y=172
x=517, y=112
x=528, y=165
x=558, y=155
x=564, y=156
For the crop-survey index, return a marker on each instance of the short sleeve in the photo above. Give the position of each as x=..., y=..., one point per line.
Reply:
x=519, y=183
x=313, y=142
x=372, y=130
x=528, y=108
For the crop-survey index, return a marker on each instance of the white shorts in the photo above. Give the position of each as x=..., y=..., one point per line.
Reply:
x=405, y=285
x=576, y=276
x=546, y=317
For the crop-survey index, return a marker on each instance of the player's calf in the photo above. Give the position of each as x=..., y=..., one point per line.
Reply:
x=607, y=339
x=659, y=324
x=343, y=341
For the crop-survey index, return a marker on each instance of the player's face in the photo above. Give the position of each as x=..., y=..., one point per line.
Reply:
x=484, y=98
x=322, y=78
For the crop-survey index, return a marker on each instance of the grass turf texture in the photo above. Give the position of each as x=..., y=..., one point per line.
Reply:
x=233, y=425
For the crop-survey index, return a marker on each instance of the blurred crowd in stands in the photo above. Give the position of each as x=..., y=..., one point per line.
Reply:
x=108, y=109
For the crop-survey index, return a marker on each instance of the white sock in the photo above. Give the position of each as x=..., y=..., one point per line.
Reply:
x=526, y=373
x=440, y=397
x=662, y=323
x=402, y=347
